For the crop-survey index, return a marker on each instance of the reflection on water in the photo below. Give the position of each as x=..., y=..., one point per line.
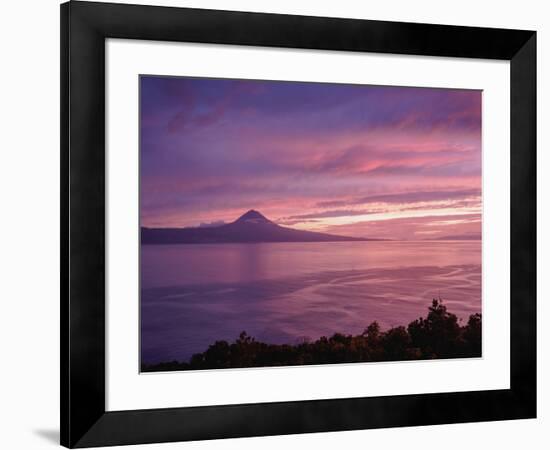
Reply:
x=193, y=295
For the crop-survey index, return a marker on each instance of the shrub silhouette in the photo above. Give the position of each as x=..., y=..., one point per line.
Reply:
x=439, y=335
x=472, y=335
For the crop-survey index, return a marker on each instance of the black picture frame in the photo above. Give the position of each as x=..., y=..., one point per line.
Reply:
x=84, y=28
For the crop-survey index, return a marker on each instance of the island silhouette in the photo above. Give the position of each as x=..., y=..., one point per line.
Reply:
x=249, y=228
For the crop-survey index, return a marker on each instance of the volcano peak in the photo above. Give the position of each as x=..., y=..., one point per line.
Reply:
x=251, y=227
x=253, y=216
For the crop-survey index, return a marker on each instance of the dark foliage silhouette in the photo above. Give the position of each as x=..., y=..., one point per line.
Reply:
x=437, y=336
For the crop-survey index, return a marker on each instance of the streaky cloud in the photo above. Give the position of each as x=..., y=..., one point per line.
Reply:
x=404, y=197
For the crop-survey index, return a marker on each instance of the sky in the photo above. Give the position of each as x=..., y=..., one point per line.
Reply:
x=356, y=160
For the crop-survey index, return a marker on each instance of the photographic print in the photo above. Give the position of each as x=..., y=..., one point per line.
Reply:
x=290, y=223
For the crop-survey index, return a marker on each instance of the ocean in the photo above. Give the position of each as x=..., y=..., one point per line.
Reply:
x=194, y=295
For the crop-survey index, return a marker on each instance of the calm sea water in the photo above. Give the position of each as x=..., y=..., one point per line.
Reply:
x=193, y=295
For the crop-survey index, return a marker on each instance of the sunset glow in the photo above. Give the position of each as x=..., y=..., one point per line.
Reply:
x=362, y=161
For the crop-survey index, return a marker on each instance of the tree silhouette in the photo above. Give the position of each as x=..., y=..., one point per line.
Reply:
x=436, y=336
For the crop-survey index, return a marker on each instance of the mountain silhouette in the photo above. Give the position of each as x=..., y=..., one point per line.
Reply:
x=460, y=237
x=250, y=227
